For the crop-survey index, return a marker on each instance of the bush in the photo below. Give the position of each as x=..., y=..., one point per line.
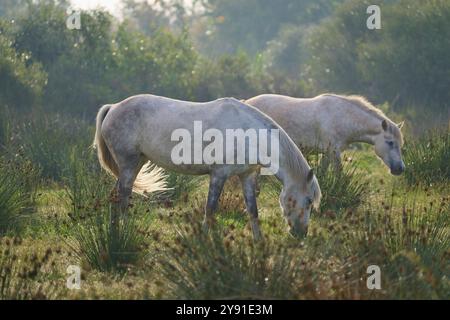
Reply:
x=22, y=80
x=345, y=56
x=427, y=158
x=227, y=76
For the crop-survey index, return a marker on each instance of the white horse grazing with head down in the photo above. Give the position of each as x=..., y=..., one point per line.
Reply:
x=331, y=122
x=140, y=129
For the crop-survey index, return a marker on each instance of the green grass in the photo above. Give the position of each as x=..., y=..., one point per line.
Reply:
x=367, y=217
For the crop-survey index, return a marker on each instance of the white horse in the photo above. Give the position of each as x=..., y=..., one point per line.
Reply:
x=139, y=129
x=331, y=122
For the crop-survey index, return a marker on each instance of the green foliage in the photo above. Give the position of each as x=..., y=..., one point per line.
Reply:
x=160, y=65
x=250, y=24
x=427, y=158
x=227, y=76
x=22, y=81
x=348, y=57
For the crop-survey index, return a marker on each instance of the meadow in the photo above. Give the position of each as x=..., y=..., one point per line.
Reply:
x=56, y=205
x=56, y=201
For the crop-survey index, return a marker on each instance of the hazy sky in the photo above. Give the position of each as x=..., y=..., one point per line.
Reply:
x=111, y=5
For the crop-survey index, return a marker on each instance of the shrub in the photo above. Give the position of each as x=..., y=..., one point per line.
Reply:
x=22, y=80
x=427, y=158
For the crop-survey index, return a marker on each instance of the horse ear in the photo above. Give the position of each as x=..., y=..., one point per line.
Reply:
x=384, y=125
x=400, y=124
x=310, y=175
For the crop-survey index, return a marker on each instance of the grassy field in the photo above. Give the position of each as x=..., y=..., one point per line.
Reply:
x=54, y=217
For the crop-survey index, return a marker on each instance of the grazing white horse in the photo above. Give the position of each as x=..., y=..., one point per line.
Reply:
x=331, y=122
x=139, y=129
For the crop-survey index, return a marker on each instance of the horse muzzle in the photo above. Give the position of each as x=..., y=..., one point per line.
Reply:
x=397, y=169
x=300, y=232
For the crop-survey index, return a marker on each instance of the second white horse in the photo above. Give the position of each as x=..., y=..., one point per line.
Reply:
x=331, y=122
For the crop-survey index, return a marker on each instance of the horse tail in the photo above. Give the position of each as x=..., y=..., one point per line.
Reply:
x=104, y=155
x=149, y=179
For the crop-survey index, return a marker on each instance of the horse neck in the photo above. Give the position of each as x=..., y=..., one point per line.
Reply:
x=363, y=127
x=288, y=172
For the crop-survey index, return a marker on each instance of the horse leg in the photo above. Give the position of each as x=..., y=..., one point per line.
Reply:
x=216, y=184
x=258, y=183
x=333, y=157
x=249, y=183
x=128, y=171
x=336, y=158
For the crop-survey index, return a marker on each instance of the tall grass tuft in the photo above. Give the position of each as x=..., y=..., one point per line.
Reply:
x=5, y=126
x=47, y=141
x=18, y=185
x=427, y=158
x=180, y=186
x=92, y=237
x=96, y=242
x=343, y=188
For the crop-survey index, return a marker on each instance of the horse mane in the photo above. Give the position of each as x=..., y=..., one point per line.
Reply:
x=364, y=105
x=296, y=162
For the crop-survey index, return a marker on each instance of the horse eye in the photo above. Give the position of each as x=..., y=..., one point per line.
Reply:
x=390, y=143
x=308, y=201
